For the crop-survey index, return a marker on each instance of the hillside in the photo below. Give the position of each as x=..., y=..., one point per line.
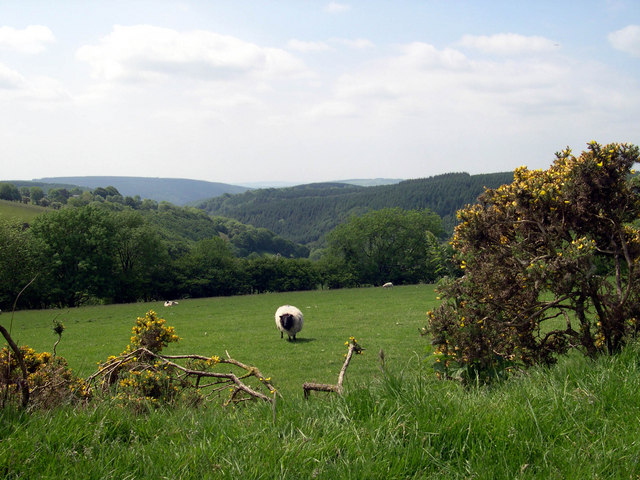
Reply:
x=179, y=191
x=16, y=211
x=305, y=213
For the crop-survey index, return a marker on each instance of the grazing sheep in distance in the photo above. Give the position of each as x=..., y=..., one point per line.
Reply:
x=387, y=285
x=289, y=319
x=170, y=303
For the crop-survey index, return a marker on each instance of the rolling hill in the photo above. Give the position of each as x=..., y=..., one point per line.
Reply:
x=179, y=191
x=305, y=213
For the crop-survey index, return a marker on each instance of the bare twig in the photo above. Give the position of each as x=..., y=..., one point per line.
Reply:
x=24, y=386
x=337, y=388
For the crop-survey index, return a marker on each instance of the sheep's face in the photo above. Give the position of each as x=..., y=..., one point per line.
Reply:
x=287, y=320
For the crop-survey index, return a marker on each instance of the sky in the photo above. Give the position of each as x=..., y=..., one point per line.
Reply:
x=301, y=91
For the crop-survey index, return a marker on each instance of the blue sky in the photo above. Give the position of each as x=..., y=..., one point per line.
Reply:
x=243, y=91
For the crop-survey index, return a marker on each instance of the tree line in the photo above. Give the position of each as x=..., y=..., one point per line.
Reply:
x=96, y=250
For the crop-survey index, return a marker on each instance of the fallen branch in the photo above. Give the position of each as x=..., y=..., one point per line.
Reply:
x=143, y=359
x=307, y=387
x=22, y=383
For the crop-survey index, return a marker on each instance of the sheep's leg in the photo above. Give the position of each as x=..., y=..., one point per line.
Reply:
x=281, y=335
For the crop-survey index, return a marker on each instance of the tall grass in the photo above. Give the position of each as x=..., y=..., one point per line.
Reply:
x=578, y=420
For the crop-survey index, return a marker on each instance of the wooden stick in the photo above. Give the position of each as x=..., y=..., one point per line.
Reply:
x=337, y=388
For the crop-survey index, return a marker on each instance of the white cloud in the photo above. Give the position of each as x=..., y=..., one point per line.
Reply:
x=10, y=79
x=507, y=44
x=39, y=90
x=145, y=52
x=301, y=46
x=627, y=40
x=335, y=7
x=32, y=39
x=333, y=109
x=357, y=43
x=424, y=56
x=423, y=84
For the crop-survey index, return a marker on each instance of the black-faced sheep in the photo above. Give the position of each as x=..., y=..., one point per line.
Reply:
x=289, y=320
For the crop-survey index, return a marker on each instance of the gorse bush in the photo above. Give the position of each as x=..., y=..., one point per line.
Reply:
x=152, y=333
x=141, y=377
x=140, y=380
x=51, y=382
x=549, y=262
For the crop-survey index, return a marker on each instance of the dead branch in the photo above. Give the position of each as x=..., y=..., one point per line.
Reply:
x=24, y=386
x=337, y=388
x=145, y=359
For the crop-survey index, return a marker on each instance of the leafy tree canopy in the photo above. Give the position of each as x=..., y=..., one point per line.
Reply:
x=386, y=245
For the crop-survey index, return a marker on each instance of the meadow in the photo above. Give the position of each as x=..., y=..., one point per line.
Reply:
x=244, y=326
x=579, y=419
x=19, y=211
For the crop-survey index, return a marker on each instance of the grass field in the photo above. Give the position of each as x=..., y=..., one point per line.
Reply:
x=19, y=211
x=578, y=420
x=244, y=326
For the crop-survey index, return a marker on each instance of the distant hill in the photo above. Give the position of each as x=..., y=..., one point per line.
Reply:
x=46, y=186
x=305, y=213
x=371, y=182
x=179, y=191
x=363, y=182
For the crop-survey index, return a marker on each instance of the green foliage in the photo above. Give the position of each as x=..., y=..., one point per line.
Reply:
x=78, y=245
x=389, y=245
x=8, y=191
x=51, y=381
x=19, y=263
x=550, y=262
x=306, y=213
x=36, y=194
x=141, y=257
x=140, y=383
x=277, y=274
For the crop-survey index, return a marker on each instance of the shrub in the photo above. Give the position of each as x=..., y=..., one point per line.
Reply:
x=550, y=263
x=51, y=381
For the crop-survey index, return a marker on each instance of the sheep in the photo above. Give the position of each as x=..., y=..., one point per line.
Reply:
x=289, y=319
x=170, y=303
x=387, y=285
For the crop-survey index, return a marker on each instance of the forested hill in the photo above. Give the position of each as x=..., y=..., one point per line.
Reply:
x=179, y=191
x=305, y=213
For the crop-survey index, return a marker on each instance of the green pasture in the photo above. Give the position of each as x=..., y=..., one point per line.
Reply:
x=244, y=326
x=576, y=420
x=19, y=212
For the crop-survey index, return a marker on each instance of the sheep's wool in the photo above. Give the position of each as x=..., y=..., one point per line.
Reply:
x=289, y=320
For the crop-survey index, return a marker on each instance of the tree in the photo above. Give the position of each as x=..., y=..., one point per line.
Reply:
x=8, y=191
x=550, y=262
x=36, y=195
x=388, y=245
x=79, y=246
x=18, y=263
x=25, y=193
x=207, y=270
x=59, y=195
x=139, y=256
